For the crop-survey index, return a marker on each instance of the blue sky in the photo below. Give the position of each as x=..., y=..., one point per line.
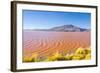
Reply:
x=47, y=19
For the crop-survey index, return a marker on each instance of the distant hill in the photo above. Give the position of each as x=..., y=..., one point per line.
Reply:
x=65, y=28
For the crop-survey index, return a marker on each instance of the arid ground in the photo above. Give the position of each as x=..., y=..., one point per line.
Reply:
x=43, y=44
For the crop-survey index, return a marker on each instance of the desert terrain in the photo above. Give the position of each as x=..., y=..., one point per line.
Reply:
x=43, y=44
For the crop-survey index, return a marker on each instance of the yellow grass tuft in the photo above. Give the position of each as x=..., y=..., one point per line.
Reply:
x=79, y=54
x=80, y=51
x=69, y=56
x=88, y=56
x=27, y=59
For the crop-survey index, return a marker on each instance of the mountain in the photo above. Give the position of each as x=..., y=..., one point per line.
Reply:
x=65, y=28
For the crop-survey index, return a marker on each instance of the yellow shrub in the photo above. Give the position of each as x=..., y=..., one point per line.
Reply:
x=54, y=57
x=27, y=59
x=57, y=54
x=88, y=56
x=88, y=50
x=80, y=51
x=78, y=56
x=34, y=57
x=69, y=56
